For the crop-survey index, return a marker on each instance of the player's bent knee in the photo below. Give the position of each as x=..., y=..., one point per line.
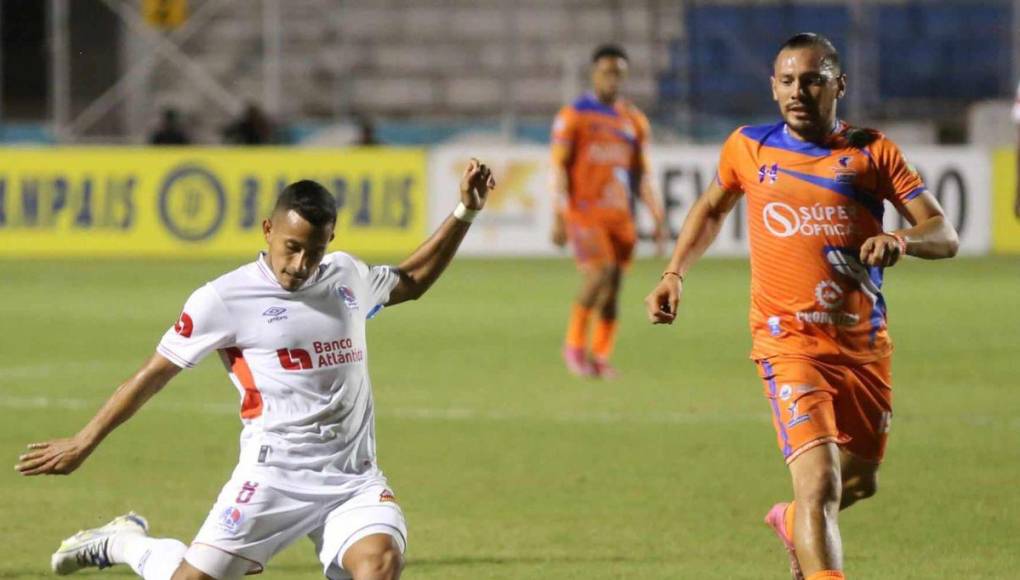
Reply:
x=384, y=565
x=818, y=488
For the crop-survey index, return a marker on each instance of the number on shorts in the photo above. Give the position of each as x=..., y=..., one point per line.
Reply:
x=247, y=491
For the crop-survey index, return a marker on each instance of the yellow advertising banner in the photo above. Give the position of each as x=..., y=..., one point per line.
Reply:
x=1005, y=221
x=200, y=202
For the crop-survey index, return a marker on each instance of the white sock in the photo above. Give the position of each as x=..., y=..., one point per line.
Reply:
x=150, y=558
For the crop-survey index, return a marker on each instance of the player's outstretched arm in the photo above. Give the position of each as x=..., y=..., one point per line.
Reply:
x=422, y=268
x=62, y=456
x=931, y=236
x=699, y=230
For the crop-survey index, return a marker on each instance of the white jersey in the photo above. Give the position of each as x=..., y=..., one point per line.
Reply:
x=299, y=360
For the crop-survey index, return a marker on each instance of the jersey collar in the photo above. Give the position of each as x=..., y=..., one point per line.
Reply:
x=262, y=260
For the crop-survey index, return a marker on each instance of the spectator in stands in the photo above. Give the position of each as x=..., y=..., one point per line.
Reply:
x=170, y=131
x=366, y=132
x=253, y=127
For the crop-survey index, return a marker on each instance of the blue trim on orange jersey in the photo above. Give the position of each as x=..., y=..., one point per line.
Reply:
x=778, y=137
x=588, y=103
x=873, y=205
x=630, y=139
x=771, y=379
x=878, y=311
x=916, y=192
x=875, y=275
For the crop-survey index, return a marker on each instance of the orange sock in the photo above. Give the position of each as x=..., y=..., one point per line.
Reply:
x=604, y=338
x=788, y=519
x=577, y=328
x=827, y=575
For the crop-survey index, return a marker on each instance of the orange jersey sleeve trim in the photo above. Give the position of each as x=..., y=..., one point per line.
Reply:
x=251, y=404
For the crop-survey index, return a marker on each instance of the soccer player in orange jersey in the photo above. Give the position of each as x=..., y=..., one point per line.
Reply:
x=600, y=161
x=815, y=188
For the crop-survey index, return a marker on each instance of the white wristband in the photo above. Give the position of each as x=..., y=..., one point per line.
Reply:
x=464, y=214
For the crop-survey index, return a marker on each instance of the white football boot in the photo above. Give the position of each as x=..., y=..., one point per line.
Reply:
x=89, y=548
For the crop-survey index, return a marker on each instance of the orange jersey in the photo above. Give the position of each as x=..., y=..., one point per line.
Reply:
x=810, y=208
x=603, y=148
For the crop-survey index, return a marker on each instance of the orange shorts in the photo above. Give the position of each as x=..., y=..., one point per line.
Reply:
x=598, y=242
x=815, y=403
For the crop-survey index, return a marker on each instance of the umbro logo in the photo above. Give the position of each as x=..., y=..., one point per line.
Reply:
x=274, y=314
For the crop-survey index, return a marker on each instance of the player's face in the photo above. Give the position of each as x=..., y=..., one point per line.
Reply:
x=295, y=247
x=806, y=89
x=607, y=77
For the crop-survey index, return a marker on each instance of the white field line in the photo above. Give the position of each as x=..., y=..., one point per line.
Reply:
x=462, y=414
x=427, y=414
x=63, y=369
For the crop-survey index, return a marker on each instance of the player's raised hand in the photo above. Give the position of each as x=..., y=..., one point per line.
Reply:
x=475, y=185
x=662, y=303
x=882, y=250
x=57, y=457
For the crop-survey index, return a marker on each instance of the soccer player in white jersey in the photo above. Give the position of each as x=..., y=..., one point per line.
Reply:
x=290, y=328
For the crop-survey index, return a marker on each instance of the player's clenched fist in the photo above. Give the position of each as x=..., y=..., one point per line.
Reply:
x=661, y=304
x=475, y=185
x=882, y=250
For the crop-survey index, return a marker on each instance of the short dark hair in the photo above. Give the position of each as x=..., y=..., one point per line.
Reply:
x=609, y=50
x=830, y=55
x=310, y=200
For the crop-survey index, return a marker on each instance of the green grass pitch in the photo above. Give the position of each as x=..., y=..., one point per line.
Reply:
x=506, y=467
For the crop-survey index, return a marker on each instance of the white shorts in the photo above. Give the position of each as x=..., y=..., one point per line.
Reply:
x=251, y=522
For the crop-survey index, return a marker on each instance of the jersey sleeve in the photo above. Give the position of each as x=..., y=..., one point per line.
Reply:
x=644, y=139
x=379, y=281
x=203, y=327
x=897, y=180
x=564, y=129
x=728, y=174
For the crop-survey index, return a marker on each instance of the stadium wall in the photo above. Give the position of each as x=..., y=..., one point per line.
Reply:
x=199, y=202
x=207, y=202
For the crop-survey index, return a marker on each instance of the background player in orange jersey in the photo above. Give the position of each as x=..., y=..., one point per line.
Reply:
x=600, y=160
x=815, y=189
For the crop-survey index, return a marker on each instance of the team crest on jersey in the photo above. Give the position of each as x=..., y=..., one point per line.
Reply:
x=348, y=295
x=843, y=171
x=231, y=519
